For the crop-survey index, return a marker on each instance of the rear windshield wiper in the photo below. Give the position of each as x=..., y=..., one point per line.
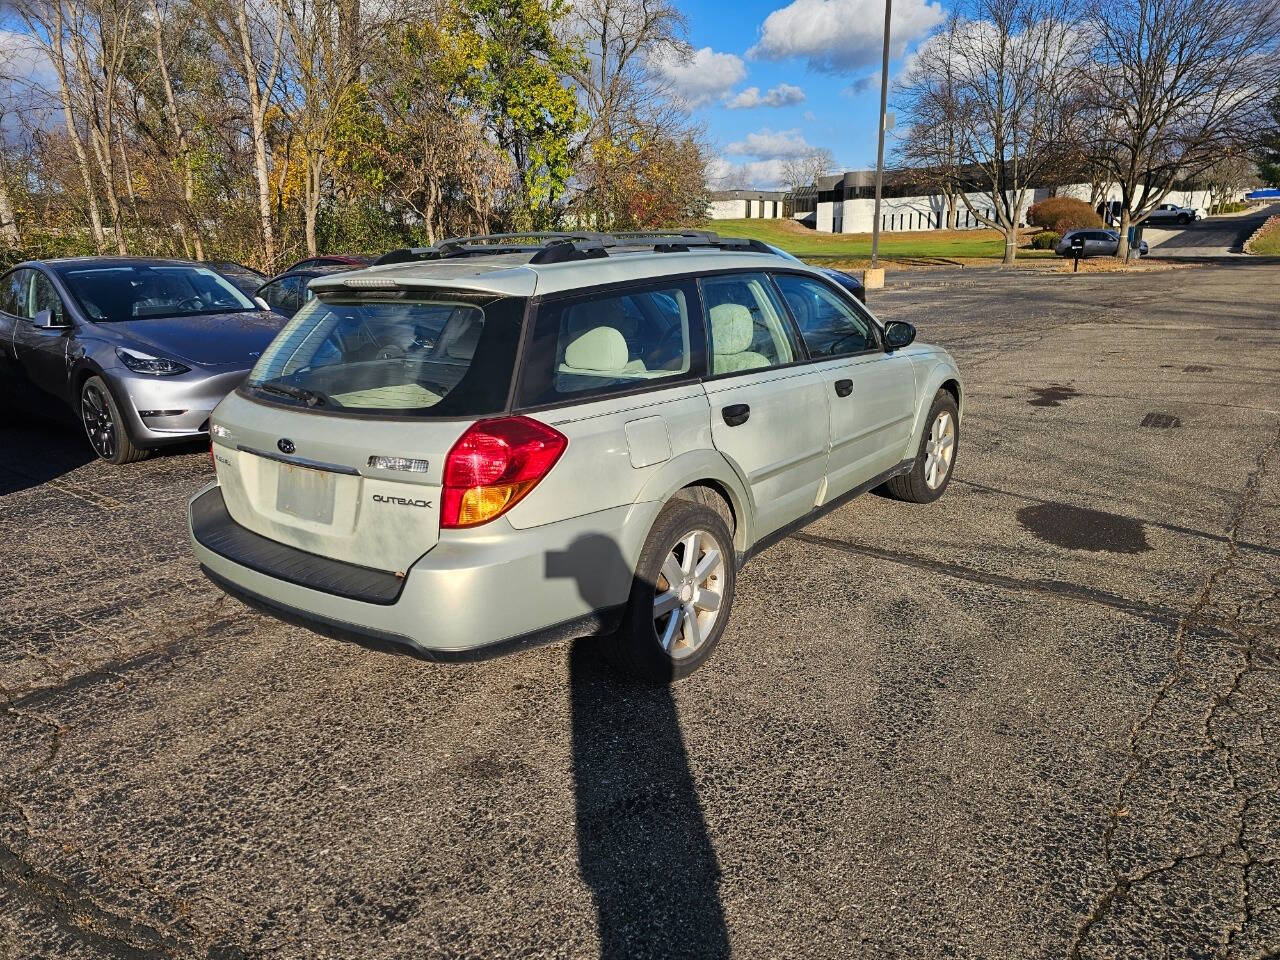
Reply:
x=310, y=397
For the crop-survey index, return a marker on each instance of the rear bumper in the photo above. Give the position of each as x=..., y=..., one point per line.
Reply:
x=476, y=592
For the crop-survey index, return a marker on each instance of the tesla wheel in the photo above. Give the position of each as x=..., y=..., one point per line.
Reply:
x=681, y=595
x=106, y=429
x=931, y=472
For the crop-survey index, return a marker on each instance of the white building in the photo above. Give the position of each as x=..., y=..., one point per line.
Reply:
x=746, y=205
x=845, y=203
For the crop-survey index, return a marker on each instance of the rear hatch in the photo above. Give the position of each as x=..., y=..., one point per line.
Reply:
x=336, y=444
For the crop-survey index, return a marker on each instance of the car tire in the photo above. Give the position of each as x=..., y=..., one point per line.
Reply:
x=935, y=461
x=105, y=428
x=656, y=647
x=1183, y=219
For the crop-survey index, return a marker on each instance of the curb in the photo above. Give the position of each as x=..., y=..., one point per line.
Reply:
x=1268, y=223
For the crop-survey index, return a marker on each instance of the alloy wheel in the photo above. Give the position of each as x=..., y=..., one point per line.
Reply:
x=98, y=422
x=689, y=593
x=939, y=449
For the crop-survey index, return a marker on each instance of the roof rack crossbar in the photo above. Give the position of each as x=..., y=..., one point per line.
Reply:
x=561, y=247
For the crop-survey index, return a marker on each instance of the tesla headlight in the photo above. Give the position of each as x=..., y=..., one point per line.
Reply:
x=145, y=363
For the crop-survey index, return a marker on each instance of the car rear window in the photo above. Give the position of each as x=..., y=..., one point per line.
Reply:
x=612, y=341
x=440, y=354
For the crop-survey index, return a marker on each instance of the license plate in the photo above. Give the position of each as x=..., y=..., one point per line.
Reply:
x=305, y=494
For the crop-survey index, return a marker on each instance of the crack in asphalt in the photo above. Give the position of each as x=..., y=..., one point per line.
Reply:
x=1061, y=589
x=1140, y=760
x=68, y=905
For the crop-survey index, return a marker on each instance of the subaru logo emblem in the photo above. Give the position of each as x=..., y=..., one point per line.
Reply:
x=286, y=445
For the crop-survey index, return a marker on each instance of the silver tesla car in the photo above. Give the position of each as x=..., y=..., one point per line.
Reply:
x=140, y=350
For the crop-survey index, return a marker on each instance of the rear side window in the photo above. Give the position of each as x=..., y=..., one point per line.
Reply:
x=611, y=342
x=14, y=288
x=445, y=355
x=749, y=329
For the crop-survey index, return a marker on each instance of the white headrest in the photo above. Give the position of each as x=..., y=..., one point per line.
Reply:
x=731, y=328
x=600, y=349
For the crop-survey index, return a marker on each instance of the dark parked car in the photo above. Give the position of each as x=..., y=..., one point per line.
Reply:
x=331, y=260
x=1097, y=243
x=287, y=293
x=140, y=350
x=245, y=279
x=846, y=280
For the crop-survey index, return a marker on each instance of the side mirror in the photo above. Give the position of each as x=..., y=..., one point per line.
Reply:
x=898, y=334
x=45, y=320
x=262, y=304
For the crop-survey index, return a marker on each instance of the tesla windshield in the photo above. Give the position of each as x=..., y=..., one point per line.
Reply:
x=136, y=291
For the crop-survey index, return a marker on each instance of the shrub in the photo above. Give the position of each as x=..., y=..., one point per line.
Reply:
x=1234, y=207
x=1060, y=214
x=1045, y=240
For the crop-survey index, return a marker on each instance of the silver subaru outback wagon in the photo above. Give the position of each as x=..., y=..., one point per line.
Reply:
x=502, y=440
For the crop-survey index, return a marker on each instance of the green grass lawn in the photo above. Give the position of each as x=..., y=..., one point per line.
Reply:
x=901, y=245
x=1265, y=244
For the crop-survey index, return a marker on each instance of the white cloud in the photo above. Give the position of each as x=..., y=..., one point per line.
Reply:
x=836, y=35
x=783, y=95
x=754, y=174
x=769, y=145
x=700, y=76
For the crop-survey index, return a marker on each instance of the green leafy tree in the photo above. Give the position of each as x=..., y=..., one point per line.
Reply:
x=517, y=79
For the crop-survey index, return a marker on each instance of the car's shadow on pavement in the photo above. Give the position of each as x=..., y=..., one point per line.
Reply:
x=34, y=451
x=643, y=845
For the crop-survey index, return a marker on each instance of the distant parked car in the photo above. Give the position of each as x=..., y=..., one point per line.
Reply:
x=286, y=293
x=1172, y=213
x=245, y=279
x=331, y=260
x=141, y=350
x=1097, y=243
x=846, y=280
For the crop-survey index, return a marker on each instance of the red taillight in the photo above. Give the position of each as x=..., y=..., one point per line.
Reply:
x=493, y=465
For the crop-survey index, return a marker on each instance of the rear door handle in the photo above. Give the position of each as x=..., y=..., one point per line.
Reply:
x=844, y=388
x=736, y=414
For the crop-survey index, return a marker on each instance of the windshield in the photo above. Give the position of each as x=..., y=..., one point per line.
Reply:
x=450, y=356
x=135, y=291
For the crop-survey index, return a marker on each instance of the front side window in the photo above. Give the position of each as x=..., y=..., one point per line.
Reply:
x=113, y=294
x=749, y=330
x=45, y=297
x=829, y=326
x=283, y=295
x=445, y=355
x=608, y=342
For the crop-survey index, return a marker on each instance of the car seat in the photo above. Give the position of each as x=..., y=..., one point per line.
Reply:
x=732, y=331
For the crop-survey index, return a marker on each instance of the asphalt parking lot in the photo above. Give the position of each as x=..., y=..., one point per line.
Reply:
x=1037, y=719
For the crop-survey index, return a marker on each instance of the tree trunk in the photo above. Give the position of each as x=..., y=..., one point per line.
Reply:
x=1122, y=249
x=9, y=234
x=1010, y=243
x=951, y=211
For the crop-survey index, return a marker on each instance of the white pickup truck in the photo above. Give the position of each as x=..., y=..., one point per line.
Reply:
x=1166, y=213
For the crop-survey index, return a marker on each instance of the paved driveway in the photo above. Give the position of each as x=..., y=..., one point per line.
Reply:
x=1035, y=720
x=1211, y=237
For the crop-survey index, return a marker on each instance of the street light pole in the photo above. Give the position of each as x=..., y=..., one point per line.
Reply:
x=884, y=105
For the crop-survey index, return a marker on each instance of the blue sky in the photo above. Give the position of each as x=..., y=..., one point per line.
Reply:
x=770, y=78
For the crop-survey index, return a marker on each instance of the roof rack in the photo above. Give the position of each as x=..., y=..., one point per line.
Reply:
x=562, y=247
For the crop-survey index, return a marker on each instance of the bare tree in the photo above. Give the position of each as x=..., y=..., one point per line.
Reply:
x=805, y=169
x=251, y=37
x=48, y=24
x=928, y=94
x=9, y=232
x=1177, y=83
x=1007, y=71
